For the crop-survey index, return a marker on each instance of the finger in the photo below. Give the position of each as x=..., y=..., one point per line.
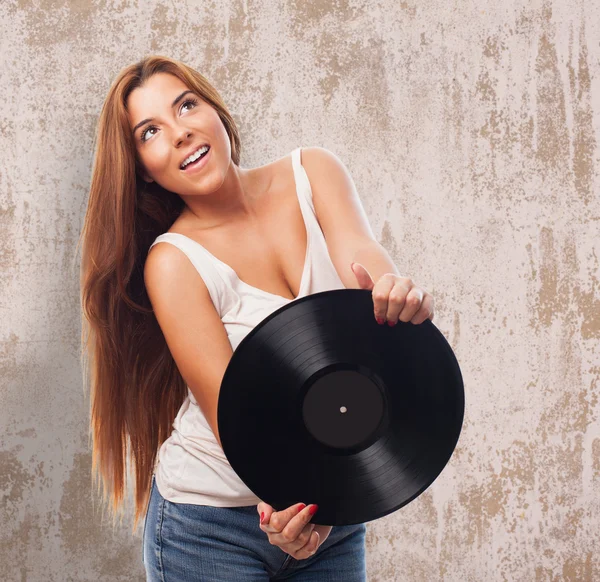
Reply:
x=412, y=304
x=292, y=545
x=425, y=312
x=381, y=292
x=310, y=548
x=365, y=281
x=263, y=507
x=397, y=299
x=295, y=526
x=275, y=521
x=264, y=510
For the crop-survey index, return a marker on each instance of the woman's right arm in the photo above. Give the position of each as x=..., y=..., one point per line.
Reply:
x=200, y=347
x=193, y=330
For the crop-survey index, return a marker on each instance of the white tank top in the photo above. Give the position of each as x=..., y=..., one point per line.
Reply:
x=191, y=466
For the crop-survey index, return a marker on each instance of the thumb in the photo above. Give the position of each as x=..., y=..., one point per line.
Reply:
x=362, y=276
x=264, y=510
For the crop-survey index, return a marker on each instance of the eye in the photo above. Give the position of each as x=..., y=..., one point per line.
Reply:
x=143, y=137
x=193, y=101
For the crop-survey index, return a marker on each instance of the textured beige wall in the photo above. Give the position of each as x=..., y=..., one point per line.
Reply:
x=471, y=130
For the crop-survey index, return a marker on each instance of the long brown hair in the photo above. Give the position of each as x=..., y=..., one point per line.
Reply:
x=135, y=386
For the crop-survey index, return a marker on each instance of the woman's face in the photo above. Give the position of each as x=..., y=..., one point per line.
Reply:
x=176, y=131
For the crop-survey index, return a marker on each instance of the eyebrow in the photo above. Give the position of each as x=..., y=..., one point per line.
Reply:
x=175, y=101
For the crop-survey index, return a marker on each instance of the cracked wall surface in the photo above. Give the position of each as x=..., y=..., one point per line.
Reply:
x=471, y=131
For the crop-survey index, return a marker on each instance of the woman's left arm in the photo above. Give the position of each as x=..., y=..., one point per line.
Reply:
x=350, y=239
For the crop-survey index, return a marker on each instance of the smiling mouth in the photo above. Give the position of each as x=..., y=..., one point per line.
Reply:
x=195, y=162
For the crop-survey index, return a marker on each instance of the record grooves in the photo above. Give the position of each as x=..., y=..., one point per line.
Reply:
x=353, y=416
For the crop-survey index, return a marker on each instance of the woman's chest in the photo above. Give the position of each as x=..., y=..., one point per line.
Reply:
x=267, y=251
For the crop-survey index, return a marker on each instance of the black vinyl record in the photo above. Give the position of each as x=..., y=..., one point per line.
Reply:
x=321, y=404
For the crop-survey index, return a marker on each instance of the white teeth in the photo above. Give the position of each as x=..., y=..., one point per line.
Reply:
x=194, y=156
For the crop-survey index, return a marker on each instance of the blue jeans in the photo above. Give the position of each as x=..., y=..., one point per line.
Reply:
x=183, y=542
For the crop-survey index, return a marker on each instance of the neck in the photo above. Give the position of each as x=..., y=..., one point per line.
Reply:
x=232, y=201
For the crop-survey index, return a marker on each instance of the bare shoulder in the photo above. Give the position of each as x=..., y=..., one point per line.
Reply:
x=174, y=285
x=319, y=161
x=167, y=268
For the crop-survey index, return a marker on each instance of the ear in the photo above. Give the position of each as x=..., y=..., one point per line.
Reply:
x=142, y=171
x=144, y=175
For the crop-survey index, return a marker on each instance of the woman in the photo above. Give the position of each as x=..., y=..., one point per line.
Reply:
x=164, y=319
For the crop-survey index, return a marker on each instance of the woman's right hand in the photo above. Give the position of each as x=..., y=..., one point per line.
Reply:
x=290, y=529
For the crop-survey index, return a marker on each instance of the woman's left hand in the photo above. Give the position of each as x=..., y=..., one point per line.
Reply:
x=395, y=298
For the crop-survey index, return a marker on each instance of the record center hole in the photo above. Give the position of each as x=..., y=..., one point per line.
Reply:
x=343, y=409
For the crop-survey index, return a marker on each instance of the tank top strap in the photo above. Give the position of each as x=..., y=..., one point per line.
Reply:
x=302, y=183
x=203, y=263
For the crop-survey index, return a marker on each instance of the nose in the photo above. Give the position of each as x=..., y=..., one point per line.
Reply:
x=181, y=135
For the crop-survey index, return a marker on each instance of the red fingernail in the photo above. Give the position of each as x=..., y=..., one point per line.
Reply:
x=302, y=506
x=313, y=509
x=391, y=323
x=262, y=516
x=380, y=321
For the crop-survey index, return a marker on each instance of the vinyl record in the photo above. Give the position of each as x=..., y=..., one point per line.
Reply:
x=321, y=404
